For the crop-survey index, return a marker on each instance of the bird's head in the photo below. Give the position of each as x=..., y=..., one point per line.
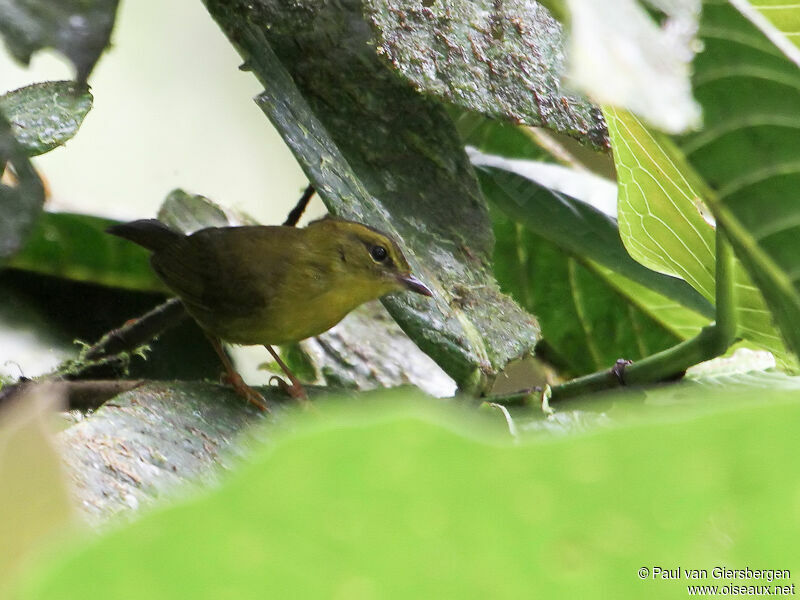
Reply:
x=365, y=257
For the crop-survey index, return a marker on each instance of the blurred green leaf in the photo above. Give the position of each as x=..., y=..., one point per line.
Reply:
x=387, y=500
x=402, y=170
x=20, y=204
x=501, y=59
x=79, y=29
x=620, y=56
x=76, y=247
x=44, y=116
x=34, y=501
x=188, y=213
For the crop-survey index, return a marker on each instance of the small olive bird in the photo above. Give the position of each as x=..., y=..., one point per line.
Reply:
x=272, y=284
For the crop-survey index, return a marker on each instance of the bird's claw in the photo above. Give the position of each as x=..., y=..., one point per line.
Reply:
x=295, y=390
x=246, y=392
x=618, y=370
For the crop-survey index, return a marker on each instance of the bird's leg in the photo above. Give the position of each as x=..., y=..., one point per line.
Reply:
x=296, y=390
x=244, y=390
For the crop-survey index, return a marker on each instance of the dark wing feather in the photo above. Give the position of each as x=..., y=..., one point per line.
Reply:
x=226, y=272
x=148, y=233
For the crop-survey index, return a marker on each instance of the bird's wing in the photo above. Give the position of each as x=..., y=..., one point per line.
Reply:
x=225, y=272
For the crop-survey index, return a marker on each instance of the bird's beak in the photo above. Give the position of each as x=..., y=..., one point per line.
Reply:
x=415, y=285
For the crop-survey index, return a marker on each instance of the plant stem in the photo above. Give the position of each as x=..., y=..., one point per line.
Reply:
x=672, y=363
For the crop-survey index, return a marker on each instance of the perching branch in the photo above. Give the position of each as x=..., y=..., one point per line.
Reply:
x=137, y=332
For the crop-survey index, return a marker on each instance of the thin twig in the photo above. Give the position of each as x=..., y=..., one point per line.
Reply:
x=299, y=209
x=137, y=332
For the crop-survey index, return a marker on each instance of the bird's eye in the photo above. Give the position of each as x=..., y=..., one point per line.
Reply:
x=378, y=253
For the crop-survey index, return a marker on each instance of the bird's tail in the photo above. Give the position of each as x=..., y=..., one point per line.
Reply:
x=149, y=233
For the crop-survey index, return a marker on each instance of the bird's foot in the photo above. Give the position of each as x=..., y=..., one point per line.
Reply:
x=246, y=392
x=232, y=377
x=618, y=370
x=296, y=390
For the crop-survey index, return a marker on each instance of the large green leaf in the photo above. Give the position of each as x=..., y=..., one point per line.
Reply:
x=79, y=29
x=35, y=506
x=749, y=153
x=77, y=247
x=20, y=204
x=388, y=501
x=664, y=223
x=502, y=59
x=44, y=116
x=784, y=16
x=661, y=218
x=380, y=153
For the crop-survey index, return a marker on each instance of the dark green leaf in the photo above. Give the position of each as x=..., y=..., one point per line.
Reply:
x=44, y=116
x=77, y=247
x=79, y=29
x=20, y=204
x=502, y=59
x=496, y=137
x=590, y=317
x=380, y=153
x=580, y=230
